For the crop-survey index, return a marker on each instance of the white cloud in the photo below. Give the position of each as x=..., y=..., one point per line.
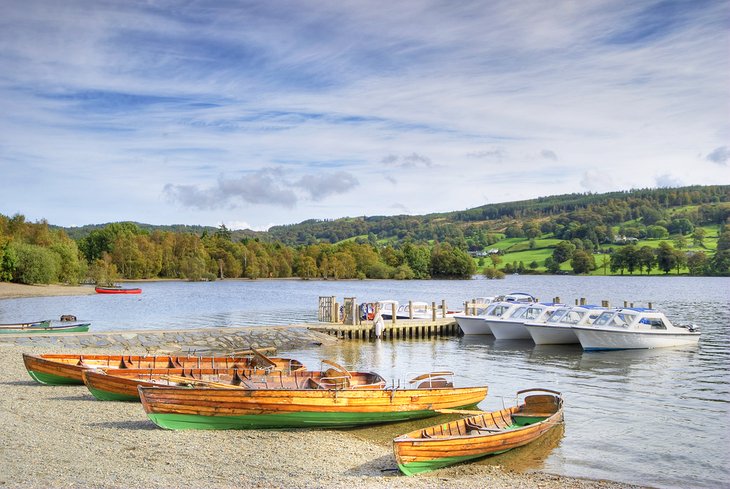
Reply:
x=118, y=101
x=719, y=155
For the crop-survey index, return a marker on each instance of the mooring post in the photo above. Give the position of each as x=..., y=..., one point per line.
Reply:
x=336, y=315
x=443, y=308
x=392, y=312
x=410, y=309
x=433, y=310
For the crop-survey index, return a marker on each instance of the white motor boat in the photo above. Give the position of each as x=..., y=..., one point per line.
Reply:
x=511, y=326
x=633, y=328
x=557, y=328
x=501, y=305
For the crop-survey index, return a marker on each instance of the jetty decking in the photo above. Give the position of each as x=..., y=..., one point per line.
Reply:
x=403, y=329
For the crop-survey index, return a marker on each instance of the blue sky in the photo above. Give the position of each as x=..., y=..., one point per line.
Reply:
x=259, y=113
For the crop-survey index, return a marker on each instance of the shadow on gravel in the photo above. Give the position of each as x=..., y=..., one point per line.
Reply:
x=20, y=382
x=144, y=425
x=384, y=466
x=79, y=397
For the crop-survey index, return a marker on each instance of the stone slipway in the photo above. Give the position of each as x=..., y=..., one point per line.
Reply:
x=295, y=336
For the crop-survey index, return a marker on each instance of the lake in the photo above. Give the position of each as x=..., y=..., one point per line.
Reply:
x=655, y=417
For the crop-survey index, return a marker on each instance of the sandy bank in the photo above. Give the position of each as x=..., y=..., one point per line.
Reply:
x=62, y=437
x=14, y=291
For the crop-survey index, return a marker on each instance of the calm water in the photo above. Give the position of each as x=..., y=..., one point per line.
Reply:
x=655, y=417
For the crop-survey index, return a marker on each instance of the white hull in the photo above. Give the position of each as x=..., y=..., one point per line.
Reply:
x=508, y=330
x=473, y=325
x=552, y=335
x=610, y=339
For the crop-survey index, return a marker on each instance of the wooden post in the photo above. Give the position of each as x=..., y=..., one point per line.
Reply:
x=626, y=304
x=650, y=306
x=557, y=299
x=466, y=307
x=392, y=309
x=582, y=301
x=410, y=309
x=336, y=315
x=433, y=311
x=604, y=303
x=443, y=308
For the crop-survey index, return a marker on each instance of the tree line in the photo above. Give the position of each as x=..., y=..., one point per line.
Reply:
x=401, y=247
x=36, y=253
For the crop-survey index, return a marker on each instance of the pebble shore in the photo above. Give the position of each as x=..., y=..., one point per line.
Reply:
x=61, y=436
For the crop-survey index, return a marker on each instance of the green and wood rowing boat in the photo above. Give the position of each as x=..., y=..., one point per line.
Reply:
x=62, y=369
x=479, y=435
x=309, y=405
x=121, y=384
x=44, y=327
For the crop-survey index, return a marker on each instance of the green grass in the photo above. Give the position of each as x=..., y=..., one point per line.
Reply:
x=518, y=250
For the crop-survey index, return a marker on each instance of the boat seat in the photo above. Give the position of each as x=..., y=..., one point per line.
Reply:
x=481, y=429
x=310, y=383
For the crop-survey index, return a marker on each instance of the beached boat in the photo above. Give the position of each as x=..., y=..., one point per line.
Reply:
x=501, y=307
x=121, y=384
x=557, y=329
x=307, y=406
x=634, y=328
x=62, y=369
x=44, y=327
x=479, y=435
x=117, y=290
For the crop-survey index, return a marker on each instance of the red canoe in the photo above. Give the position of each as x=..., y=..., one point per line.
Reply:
x=117, y=290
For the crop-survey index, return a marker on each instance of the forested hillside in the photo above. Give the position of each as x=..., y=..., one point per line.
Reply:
x=680, y=230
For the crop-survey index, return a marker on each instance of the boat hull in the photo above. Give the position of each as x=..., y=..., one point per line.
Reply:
x=593, y=339
x=473, y=325
x=65, y=369
x=552, y=335
x=508, y=330
x=122, y=384
x=114, y=290
x=202, y=408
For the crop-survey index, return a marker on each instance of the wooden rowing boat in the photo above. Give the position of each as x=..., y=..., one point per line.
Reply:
x=117, y=290
x=61, y=369
x=44, y=327
x=121, y=384
x=305, y=406
x=479, y=435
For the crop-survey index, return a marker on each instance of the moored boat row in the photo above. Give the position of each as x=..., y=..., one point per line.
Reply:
x=594, y=327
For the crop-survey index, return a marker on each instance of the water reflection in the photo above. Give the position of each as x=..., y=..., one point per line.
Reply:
x=657, y=417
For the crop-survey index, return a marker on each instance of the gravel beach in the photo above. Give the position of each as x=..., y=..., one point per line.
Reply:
x=62, y=437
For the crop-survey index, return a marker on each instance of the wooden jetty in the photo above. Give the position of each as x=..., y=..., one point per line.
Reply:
x=403, y=329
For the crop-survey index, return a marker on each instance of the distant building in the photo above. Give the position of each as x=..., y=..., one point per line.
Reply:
x=625, y=240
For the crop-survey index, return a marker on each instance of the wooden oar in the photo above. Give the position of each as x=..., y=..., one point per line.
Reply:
x=179, y=379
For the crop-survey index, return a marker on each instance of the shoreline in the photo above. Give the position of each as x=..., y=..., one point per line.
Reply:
x=120, y=447
x=10, y=290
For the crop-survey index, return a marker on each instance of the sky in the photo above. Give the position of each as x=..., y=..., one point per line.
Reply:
x=259, y=113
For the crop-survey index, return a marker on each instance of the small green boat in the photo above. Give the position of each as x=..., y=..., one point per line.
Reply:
x=43, y=327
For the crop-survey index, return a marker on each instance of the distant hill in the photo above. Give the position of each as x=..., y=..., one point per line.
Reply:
x=611, y=209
